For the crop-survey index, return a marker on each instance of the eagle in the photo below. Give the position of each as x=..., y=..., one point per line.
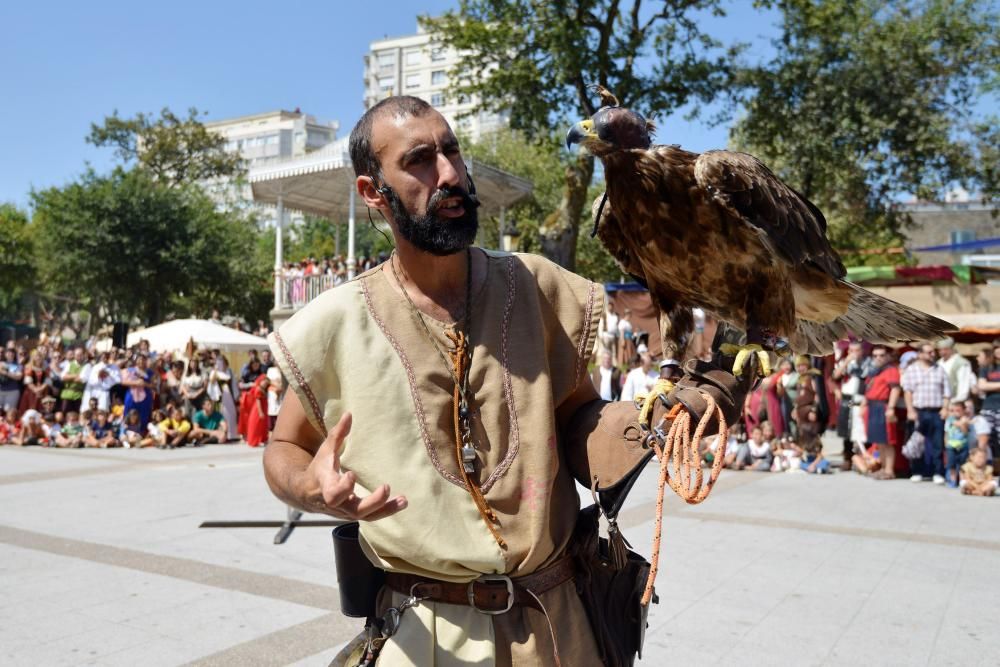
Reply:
x=718, y=230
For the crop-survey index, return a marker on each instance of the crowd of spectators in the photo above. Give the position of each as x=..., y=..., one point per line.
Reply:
x=52, y=395
x=925, y=413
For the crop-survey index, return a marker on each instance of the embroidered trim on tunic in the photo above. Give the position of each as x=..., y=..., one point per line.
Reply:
x=412, y=380
x=508, y=393
x=581, y=365
x=300, y=378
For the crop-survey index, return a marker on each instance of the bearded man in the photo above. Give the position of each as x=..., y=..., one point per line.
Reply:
x=458, y=445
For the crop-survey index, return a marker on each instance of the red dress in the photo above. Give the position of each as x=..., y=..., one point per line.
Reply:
x=29, y=399
x=257, y=425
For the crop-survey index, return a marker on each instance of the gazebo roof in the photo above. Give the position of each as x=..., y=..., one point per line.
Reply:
x=320, y=183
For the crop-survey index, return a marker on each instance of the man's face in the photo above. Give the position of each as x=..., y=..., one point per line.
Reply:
x=606, y=359
x=265, y=356
x=854, y=352
x=80, y=355
x=879, y=357
x=425, y=182
x=946, y=352
x=927, y=354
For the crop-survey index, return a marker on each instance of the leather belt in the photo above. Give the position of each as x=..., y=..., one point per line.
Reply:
x=491, y=593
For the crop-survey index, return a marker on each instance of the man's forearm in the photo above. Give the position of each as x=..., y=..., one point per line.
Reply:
x=284, y=465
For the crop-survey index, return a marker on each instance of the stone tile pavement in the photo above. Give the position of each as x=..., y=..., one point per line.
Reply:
x=102, y=562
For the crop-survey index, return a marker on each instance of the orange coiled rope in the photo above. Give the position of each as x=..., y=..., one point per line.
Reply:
x=681, y=449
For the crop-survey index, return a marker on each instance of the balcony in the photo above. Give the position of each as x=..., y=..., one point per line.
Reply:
x=293, y=292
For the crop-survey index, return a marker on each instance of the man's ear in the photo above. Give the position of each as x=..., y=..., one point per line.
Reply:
x=369, y=192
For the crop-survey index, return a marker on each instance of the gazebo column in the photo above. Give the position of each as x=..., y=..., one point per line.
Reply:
x=351, y=261
x=278, y=253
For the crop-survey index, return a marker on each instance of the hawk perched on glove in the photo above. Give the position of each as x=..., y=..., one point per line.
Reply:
x=719, y=230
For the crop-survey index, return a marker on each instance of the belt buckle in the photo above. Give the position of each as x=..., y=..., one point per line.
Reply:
x=488, y=578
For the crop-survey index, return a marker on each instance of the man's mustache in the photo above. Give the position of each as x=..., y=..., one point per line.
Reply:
x=469, y=201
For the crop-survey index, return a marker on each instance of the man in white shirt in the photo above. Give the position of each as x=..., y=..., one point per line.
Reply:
x=607, y=378
x=100, y=377
x=640, y=380
x=957, y=368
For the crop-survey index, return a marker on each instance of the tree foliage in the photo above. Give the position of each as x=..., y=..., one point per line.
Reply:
x=129, y=246
x=174, y=150
x=865, y=100
x=17, y=272
x=535, y=61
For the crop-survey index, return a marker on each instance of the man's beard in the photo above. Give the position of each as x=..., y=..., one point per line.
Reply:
x=433, y=234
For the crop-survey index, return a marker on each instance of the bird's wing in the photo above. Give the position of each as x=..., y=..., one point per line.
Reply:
x=743, y=185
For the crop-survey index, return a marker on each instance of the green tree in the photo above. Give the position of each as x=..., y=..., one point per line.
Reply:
x=173, y=149
x=865, y=100
x=535, y=61
x=17, y=271
x=127, y=245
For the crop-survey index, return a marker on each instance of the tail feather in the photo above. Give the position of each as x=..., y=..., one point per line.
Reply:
x=872, y=318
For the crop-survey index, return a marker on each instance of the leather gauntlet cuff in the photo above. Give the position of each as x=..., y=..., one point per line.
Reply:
x=596, y=444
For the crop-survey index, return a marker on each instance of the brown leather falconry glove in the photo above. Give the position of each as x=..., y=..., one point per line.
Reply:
x=728, y=391
x=605, y=440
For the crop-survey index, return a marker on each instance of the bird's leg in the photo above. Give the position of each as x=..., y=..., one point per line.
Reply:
x=759, y=343
x=676, y=324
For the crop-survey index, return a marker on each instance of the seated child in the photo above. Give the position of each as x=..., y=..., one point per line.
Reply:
x=866, y=461
x=33, y=430
x=956, y=440
x=977, y=476
x=71, y=433
x=99, y=432
x=756, y=453
x=8, y=427
x=155, y=437
x=117, y=415
x=812, y=456
x=980, y=429
x=175, y=428
x=131, y=430
x=736, y=441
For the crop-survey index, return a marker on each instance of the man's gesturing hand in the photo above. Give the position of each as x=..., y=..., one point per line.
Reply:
x=329, y=490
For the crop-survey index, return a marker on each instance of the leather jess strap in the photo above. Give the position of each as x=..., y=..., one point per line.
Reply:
x=489, y=594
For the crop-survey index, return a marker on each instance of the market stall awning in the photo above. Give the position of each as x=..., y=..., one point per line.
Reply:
x=885, y=276
x=320, y=184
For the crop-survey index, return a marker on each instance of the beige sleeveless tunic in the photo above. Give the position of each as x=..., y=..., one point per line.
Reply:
x=359, y=348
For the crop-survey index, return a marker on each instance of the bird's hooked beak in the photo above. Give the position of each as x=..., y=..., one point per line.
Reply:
x=582, y=130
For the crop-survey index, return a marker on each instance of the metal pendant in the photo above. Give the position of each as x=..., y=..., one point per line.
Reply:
x=468, y=458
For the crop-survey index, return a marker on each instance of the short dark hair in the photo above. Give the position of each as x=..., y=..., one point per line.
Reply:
x=363, y=156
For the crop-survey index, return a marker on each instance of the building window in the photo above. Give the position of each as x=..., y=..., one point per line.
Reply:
x=413, y=57
x=387, y=83
x=958, y=236
x=437, y=100
x=437, y=54
x=437, y=77
x=386, y=62
x=412, y=80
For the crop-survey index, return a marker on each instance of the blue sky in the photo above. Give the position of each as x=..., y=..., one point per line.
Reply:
x=64, y=65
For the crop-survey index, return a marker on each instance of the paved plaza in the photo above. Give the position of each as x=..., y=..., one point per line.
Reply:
x=102, y=562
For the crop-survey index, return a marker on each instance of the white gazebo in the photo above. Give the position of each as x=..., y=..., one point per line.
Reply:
x=322, y=183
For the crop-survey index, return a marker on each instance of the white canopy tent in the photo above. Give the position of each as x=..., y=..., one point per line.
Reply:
x=173, y=336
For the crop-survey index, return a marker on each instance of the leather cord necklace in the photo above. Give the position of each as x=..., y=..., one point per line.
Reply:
x=458, y=367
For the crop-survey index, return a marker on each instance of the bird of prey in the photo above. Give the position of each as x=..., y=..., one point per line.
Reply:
x=720, y=231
